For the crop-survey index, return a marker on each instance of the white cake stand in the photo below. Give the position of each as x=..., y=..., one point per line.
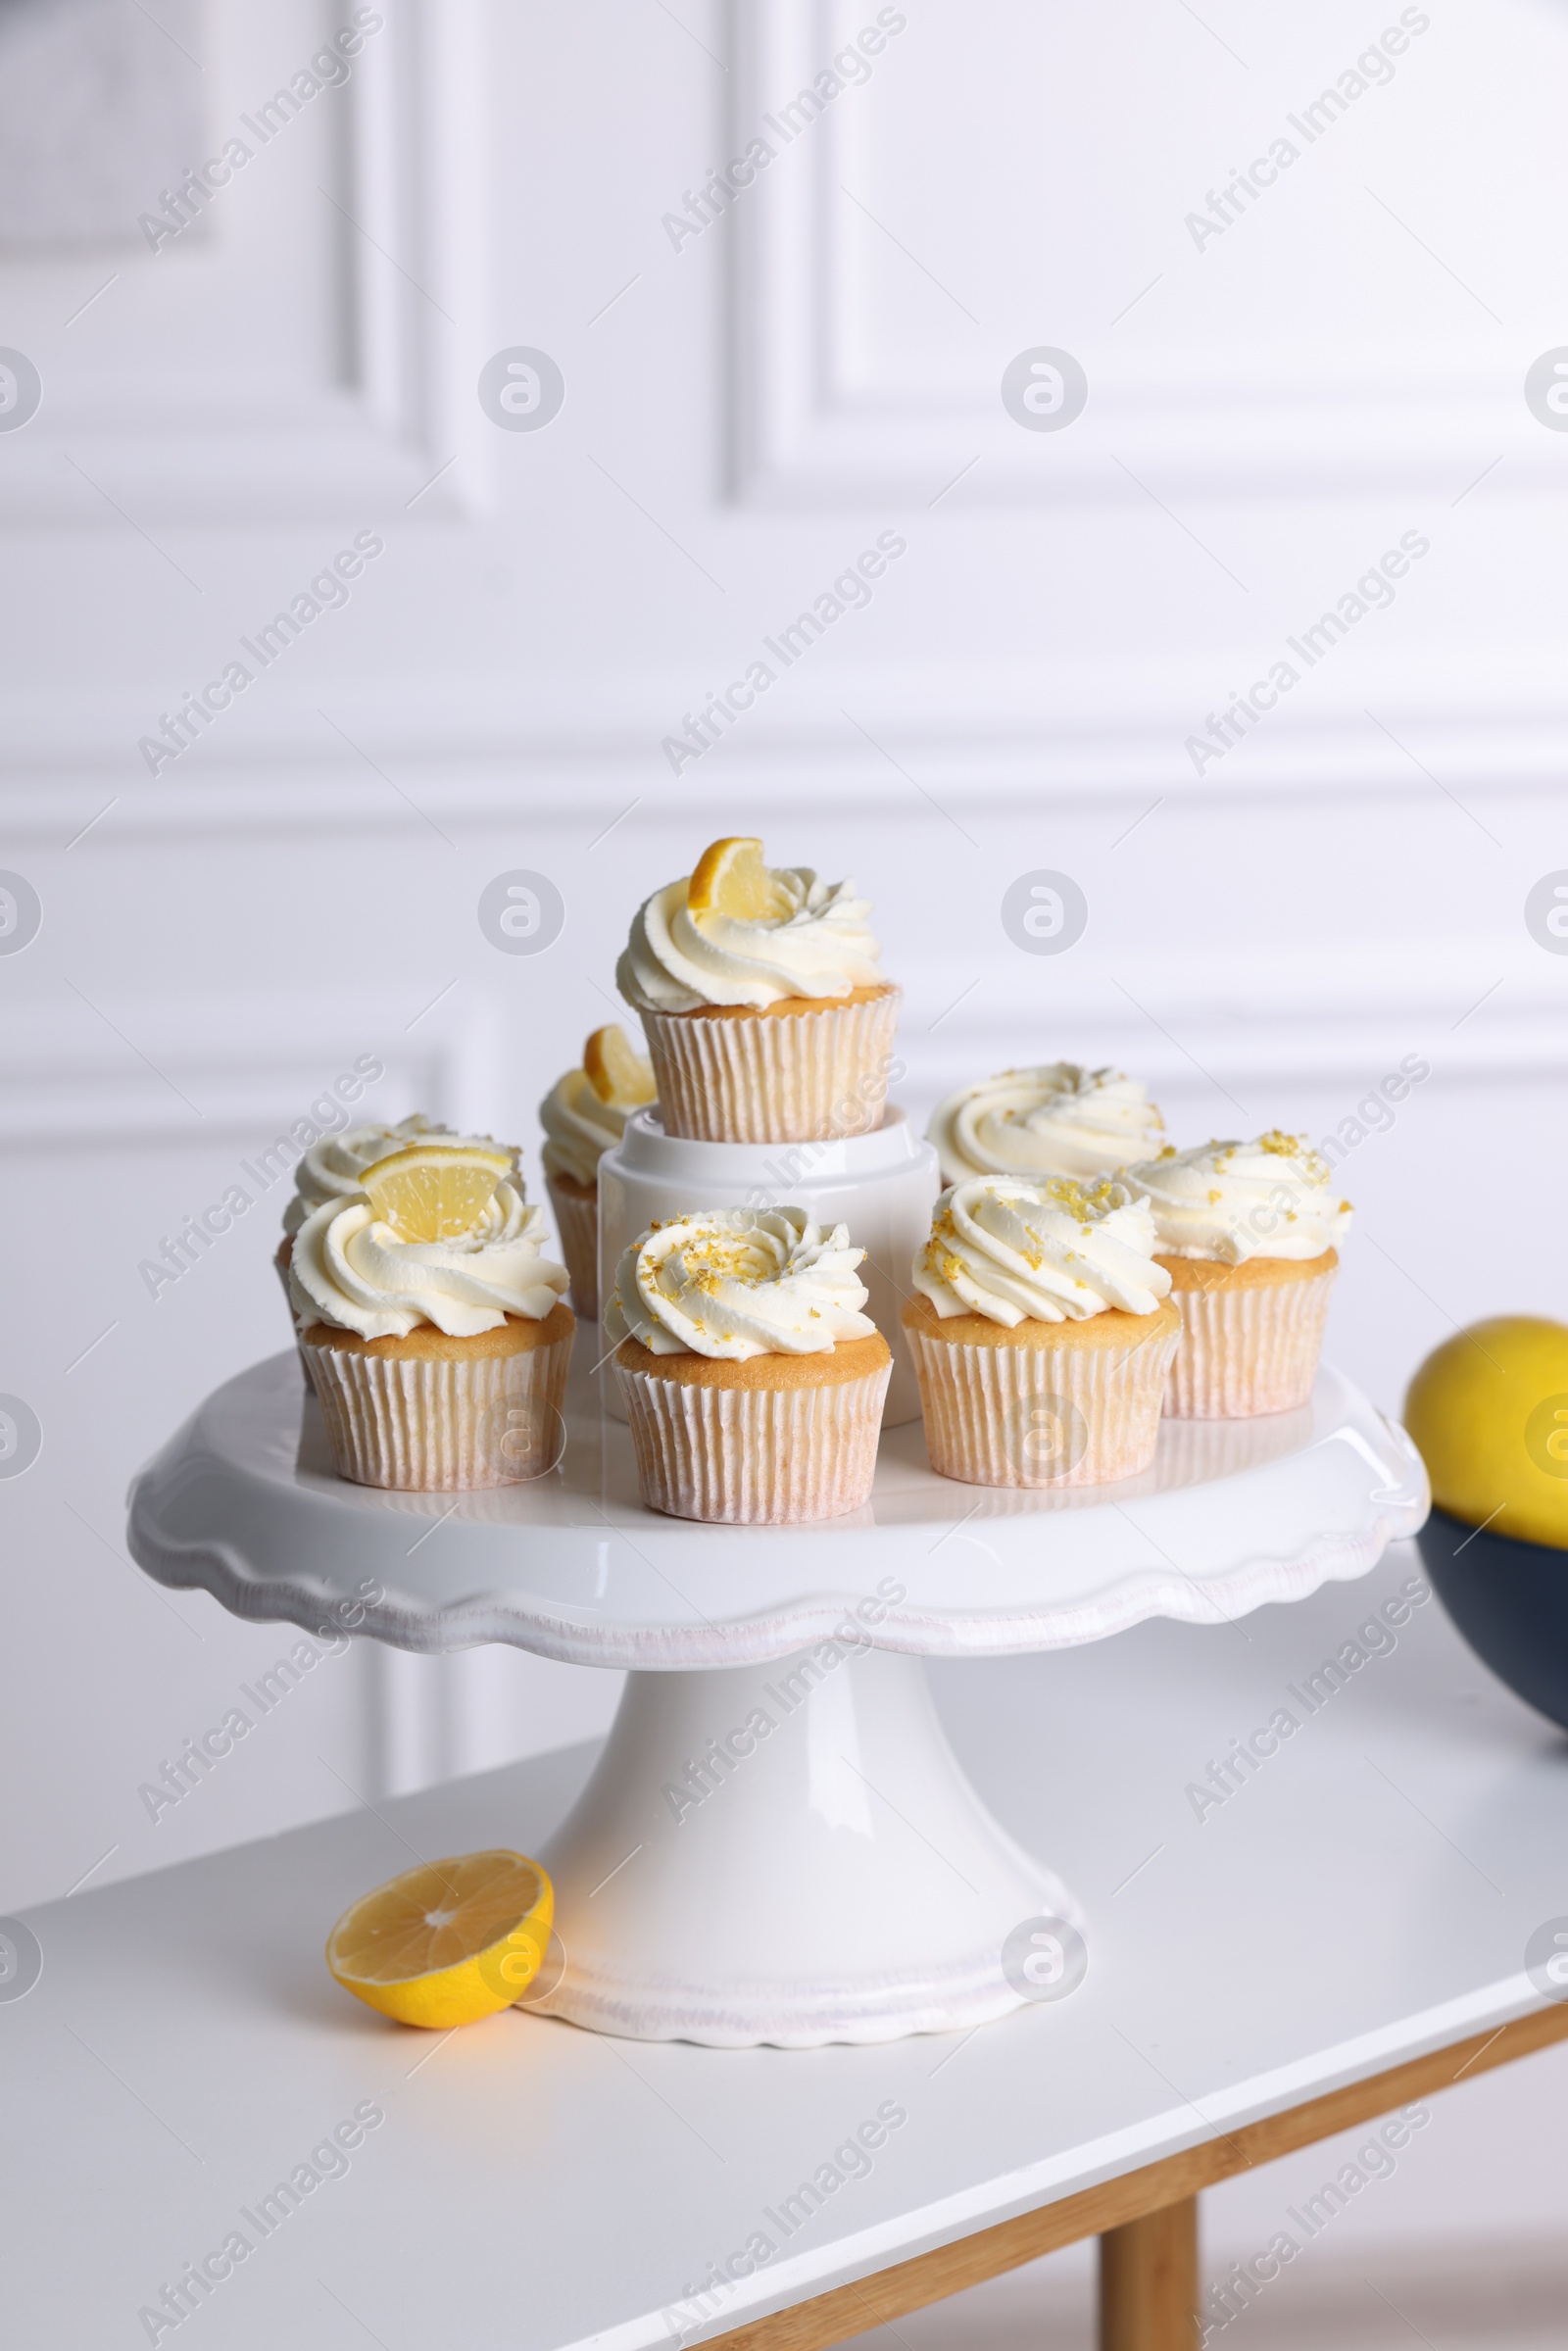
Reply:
x=776, y=1844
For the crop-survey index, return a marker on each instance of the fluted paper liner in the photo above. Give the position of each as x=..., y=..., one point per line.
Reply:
x=1245, y=1352
x=577, y=1226
x=1056, y=1415
x=438, y=1425
x=281, y=1260
x=795, y=1077
x=754, y=1456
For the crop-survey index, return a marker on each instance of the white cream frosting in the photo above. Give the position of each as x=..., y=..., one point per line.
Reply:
x=1017, y=1250
x=579, y=1127
x=675, y=961
x=1275, y=1197
x=350, y=1270
x=734, y=1283
x=1056, y=1119
x=332, y=1169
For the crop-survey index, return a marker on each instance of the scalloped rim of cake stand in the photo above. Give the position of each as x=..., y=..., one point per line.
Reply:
x=244, y=1492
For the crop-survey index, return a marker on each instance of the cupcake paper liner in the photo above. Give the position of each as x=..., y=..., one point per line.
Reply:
x=439, y=1425
x=1247, y=1351
x=281, y=1262
x=797, y=1077
x=754, y=1456
x=1058, y=1415
x=577, y=1225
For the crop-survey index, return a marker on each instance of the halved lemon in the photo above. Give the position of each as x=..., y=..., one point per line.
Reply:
x=448, y=1942
x=732, y=879
x=434, y=1192
x=615, y=1070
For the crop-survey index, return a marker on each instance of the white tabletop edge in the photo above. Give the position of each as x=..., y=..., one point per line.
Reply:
x=954, y=2218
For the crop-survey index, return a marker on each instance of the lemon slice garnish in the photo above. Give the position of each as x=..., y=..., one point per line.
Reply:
x=446, y=1942
x=732, y=879
x=431, y=1192
x=615, y=1070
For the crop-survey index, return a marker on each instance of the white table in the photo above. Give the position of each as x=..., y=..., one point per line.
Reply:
x=1344, y=1933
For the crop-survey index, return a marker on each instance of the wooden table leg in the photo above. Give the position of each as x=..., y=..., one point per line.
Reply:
x=1149, y=2281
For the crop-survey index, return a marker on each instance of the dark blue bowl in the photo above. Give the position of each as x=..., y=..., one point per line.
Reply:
x=1510, y=1601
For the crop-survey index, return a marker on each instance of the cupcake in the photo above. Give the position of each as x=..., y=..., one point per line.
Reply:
x=584, y=1115
x=1041, y=1332
x=434, y=1332
x=766, y=1016
x=753, y=1382
x=1246, y=1232
x=1057, y=1120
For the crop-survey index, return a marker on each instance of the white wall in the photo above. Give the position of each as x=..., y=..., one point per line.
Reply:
x=1266, y=939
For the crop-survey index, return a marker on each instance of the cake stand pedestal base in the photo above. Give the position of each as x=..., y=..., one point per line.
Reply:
x=789, y=1853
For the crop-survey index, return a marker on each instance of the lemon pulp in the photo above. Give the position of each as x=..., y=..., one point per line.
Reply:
x=732, y=879
x=432, y=1191
x=617, y=1072
x=448, y=1942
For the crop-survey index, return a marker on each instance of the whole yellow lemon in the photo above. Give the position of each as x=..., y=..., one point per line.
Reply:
x=1488, y=1413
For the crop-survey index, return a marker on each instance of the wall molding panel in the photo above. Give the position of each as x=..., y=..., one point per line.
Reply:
x=229, y=1069
x=398, y=252
x=1010, y=740
x=822, y=419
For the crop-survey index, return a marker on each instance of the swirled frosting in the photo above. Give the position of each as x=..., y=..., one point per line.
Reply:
x=350, y=1270
x=579, y=1127
x=1041, y=1250
x=1053, y=1120
x=331, y=1168
x=675, y=961
x=1275, y=1197
x=735, y=1284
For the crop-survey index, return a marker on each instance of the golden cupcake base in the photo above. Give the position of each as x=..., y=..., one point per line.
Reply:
x=1252, y=1334
x=767, y=1442
x=805, y=1069
x=1044, y=1403
x=432, y=1414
